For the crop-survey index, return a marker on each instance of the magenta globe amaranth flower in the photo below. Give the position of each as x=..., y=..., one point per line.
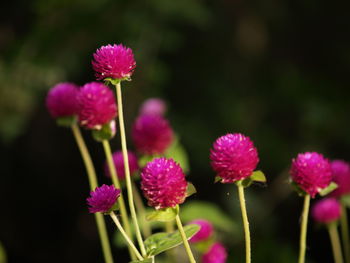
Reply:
x=233, y=157
x=216, y=254
x=205, y=231
x=103, y=199
x=119, y=164
x=326, y=210
x=152, y=134
x=341, y=176
x=61, y=100
x=113, y=61
x=311, y=171
x=153, y=106
x=163, y=183
x=97, y=105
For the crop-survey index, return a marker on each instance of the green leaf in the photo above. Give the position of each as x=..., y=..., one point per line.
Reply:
x=179, y=154
x=245, y=182
x=345, y=199
x=146, y=260
x=163, y=215
x=107, y=132
x=297, y=188
x=161, y=242
x=190, y=189
x=330, y=188
x=66, y=121
x=258, y=176
x=209, y=211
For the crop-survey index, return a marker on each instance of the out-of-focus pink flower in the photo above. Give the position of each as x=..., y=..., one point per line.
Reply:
x=153, y=106
x=216, y=254
x=205, y=231
x=326, y=210
x=341, y=176
x=152, y=134
x=119, y=164
x=311, y=171
x=61, y=101
x=97, y=105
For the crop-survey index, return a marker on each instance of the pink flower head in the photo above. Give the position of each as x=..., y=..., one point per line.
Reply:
x=216, y=254
x=152, y=134
x=103, y=198
x=326, y=210
x=61, y=101
x=97, y=105
x=205, y=231
x=163, y=183
x=116, y=62
x=119, y=164
x=233, y=157
x=311, y=171
x=341, y=176
x=153, y=106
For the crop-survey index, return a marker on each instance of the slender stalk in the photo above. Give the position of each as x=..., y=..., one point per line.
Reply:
x=345, y=233
x=145, y=225
x=303, y=231
x=101, y=225
x=336, y=247
x=169, y=228
x=245, y=223
x=127, y=170
x=130, y=243
x=114, y=176
x=184, y=239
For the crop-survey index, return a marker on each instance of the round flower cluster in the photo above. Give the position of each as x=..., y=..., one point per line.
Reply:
x=152, y=134
x=163, y=183
x=61, y=101
x=341, y=176
x=326, y=210
x=113, y=61
x=233, y=157
x=312, y=172
x=216, y=254
x=205, y=231
x=103, y=199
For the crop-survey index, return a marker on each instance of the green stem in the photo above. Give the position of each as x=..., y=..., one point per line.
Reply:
x=169, y=228
x=145, y=225
x=127, y=170
x=303, y=229
x=333, y=234
x=101, y=226
x=114, y=176
x=184, y=239
x=126, y=237
x=245, y=223
x=345, y=233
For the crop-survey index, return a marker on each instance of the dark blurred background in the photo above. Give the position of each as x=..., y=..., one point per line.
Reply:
x=277, y=71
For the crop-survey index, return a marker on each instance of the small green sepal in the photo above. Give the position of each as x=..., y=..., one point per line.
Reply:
x=160, y=242
x=66, y=121
x=190, y=190
x=115, y=207
x=297, y=188
x=116, y=81
x=106, y=132
x=163, y=215
x=217, y=179
x=330, y=188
